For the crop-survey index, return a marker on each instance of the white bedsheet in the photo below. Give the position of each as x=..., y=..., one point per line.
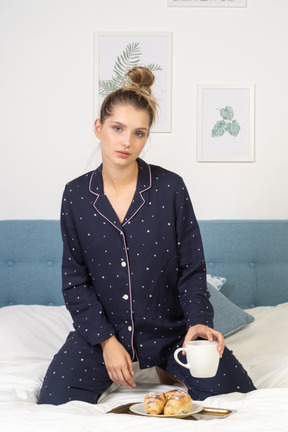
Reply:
x=30, y=335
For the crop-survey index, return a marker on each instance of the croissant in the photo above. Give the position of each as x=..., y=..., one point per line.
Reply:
x=177, y=402
x=154, y=403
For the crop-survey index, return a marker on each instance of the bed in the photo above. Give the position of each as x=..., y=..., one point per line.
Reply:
x=247, y=265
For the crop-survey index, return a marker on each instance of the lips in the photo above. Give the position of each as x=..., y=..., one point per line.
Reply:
x=122, y=154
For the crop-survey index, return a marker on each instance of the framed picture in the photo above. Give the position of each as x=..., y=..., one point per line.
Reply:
x=225, y=123
x=116, y=53
x=208, y=3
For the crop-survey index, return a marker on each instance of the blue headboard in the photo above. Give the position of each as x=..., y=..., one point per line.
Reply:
x=30, y=262
x=251, y=254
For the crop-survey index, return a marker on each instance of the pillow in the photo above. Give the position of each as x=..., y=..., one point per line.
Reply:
x=228, y=318
x=216, y=281
x=32, y=331
x=30, y=335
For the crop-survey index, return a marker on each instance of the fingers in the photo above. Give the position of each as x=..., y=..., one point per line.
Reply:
x=118, y=362
x=122, y=377
x=213, y=335
x=122, y=374
x=127, y=380
x=192, y=334
x=206, y=333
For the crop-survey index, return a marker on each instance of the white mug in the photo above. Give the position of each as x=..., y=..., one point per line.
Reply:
x=202, y=358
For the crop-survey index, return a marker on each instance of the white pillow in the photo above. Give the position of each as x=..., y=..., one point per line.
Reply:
x=32, y=332
x=216, y=281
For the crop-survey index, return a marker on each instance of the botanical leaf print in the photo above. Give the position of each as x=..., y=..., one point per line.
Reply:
x=127, y=60
x=219, y=129
x=227, y=113
x=227, y=124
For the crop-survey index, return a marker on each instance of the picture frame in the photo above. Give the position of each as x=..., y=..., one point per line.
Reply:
x=225, y=123
x=208, y=3
x=117, y=52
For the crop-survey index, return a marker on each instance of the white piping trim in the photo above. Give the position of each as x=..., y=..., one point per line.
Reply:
x=140, y=192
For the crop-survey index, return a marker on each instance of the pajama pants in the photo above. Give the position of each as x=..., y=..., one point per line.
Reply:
x=78, y=372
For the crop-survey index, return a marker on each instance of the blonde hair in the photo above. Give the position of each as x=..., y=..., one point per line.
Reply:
x=137, y=92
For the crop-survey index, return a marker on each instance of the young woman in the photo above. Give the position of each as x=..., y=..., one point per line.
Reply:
x=134, y=277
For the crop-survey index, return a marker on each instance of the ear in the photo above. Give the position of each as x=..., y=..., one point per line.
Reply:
x=97, y=128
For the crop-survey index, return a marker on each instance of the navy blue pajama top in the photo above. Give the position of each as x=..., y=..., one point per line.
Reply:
x=144, y=280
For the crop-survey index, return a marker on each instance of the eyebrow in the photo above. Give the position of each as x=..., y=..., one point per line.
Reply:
x=115, y=122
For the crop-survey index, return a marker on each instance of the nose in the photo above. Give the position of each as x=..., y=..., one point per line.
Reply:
x=126, y=140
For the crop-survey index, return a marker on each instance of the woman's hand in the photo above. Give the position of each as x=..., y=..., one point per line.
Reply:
x=118, y=362
x=205, y=332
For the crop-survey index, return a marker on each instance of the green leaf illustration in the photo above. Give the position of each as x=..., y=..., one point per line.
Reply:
x=154, y=67
x=108, y=86
x=227, y=113
x=127, y=60
x=227, y=124
x=233, y=128
x=219, y=128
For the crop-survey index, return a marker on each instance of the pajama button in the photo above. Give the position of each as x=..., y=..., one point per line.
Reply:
x=130, y=328
x=123, y=264
x=125, y=297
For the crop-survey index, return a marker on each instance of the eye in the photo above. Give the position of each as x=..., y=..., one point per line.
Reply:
x=140, y=134
x=117, y=128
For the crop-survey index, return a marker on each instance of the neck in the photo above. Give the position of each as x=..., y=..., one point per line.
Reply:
x=119, y=177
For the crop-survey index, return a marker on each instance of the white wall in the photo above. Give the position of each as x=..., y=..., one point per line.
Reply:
x=46, y=102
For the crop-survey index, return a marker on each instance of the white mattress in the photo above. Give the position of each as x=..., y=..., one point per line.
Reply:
x=30, y=335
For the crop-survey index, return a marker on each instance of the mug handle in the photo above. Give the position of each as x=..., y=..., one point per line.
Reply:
x=176, y=352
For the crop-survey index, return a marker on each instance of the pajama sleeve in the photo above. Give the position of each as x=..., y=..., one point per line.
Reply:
x=88, y=316
x=192, y=286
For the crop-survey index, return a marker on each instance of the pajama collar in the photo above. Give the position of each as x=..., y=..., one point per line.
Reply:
x=103, y=206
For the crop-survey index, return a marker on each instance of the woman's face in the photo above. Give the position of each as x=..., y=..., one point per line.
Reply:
x=123, y=135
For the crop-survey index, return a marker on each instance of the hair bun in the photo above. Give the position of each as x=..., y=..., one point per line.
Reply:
x=141, y=77
x=136, y=92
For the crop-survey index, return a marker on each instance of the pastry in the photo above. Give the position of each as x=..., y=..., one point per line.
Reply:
x=177, y=402
x=154, y=403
